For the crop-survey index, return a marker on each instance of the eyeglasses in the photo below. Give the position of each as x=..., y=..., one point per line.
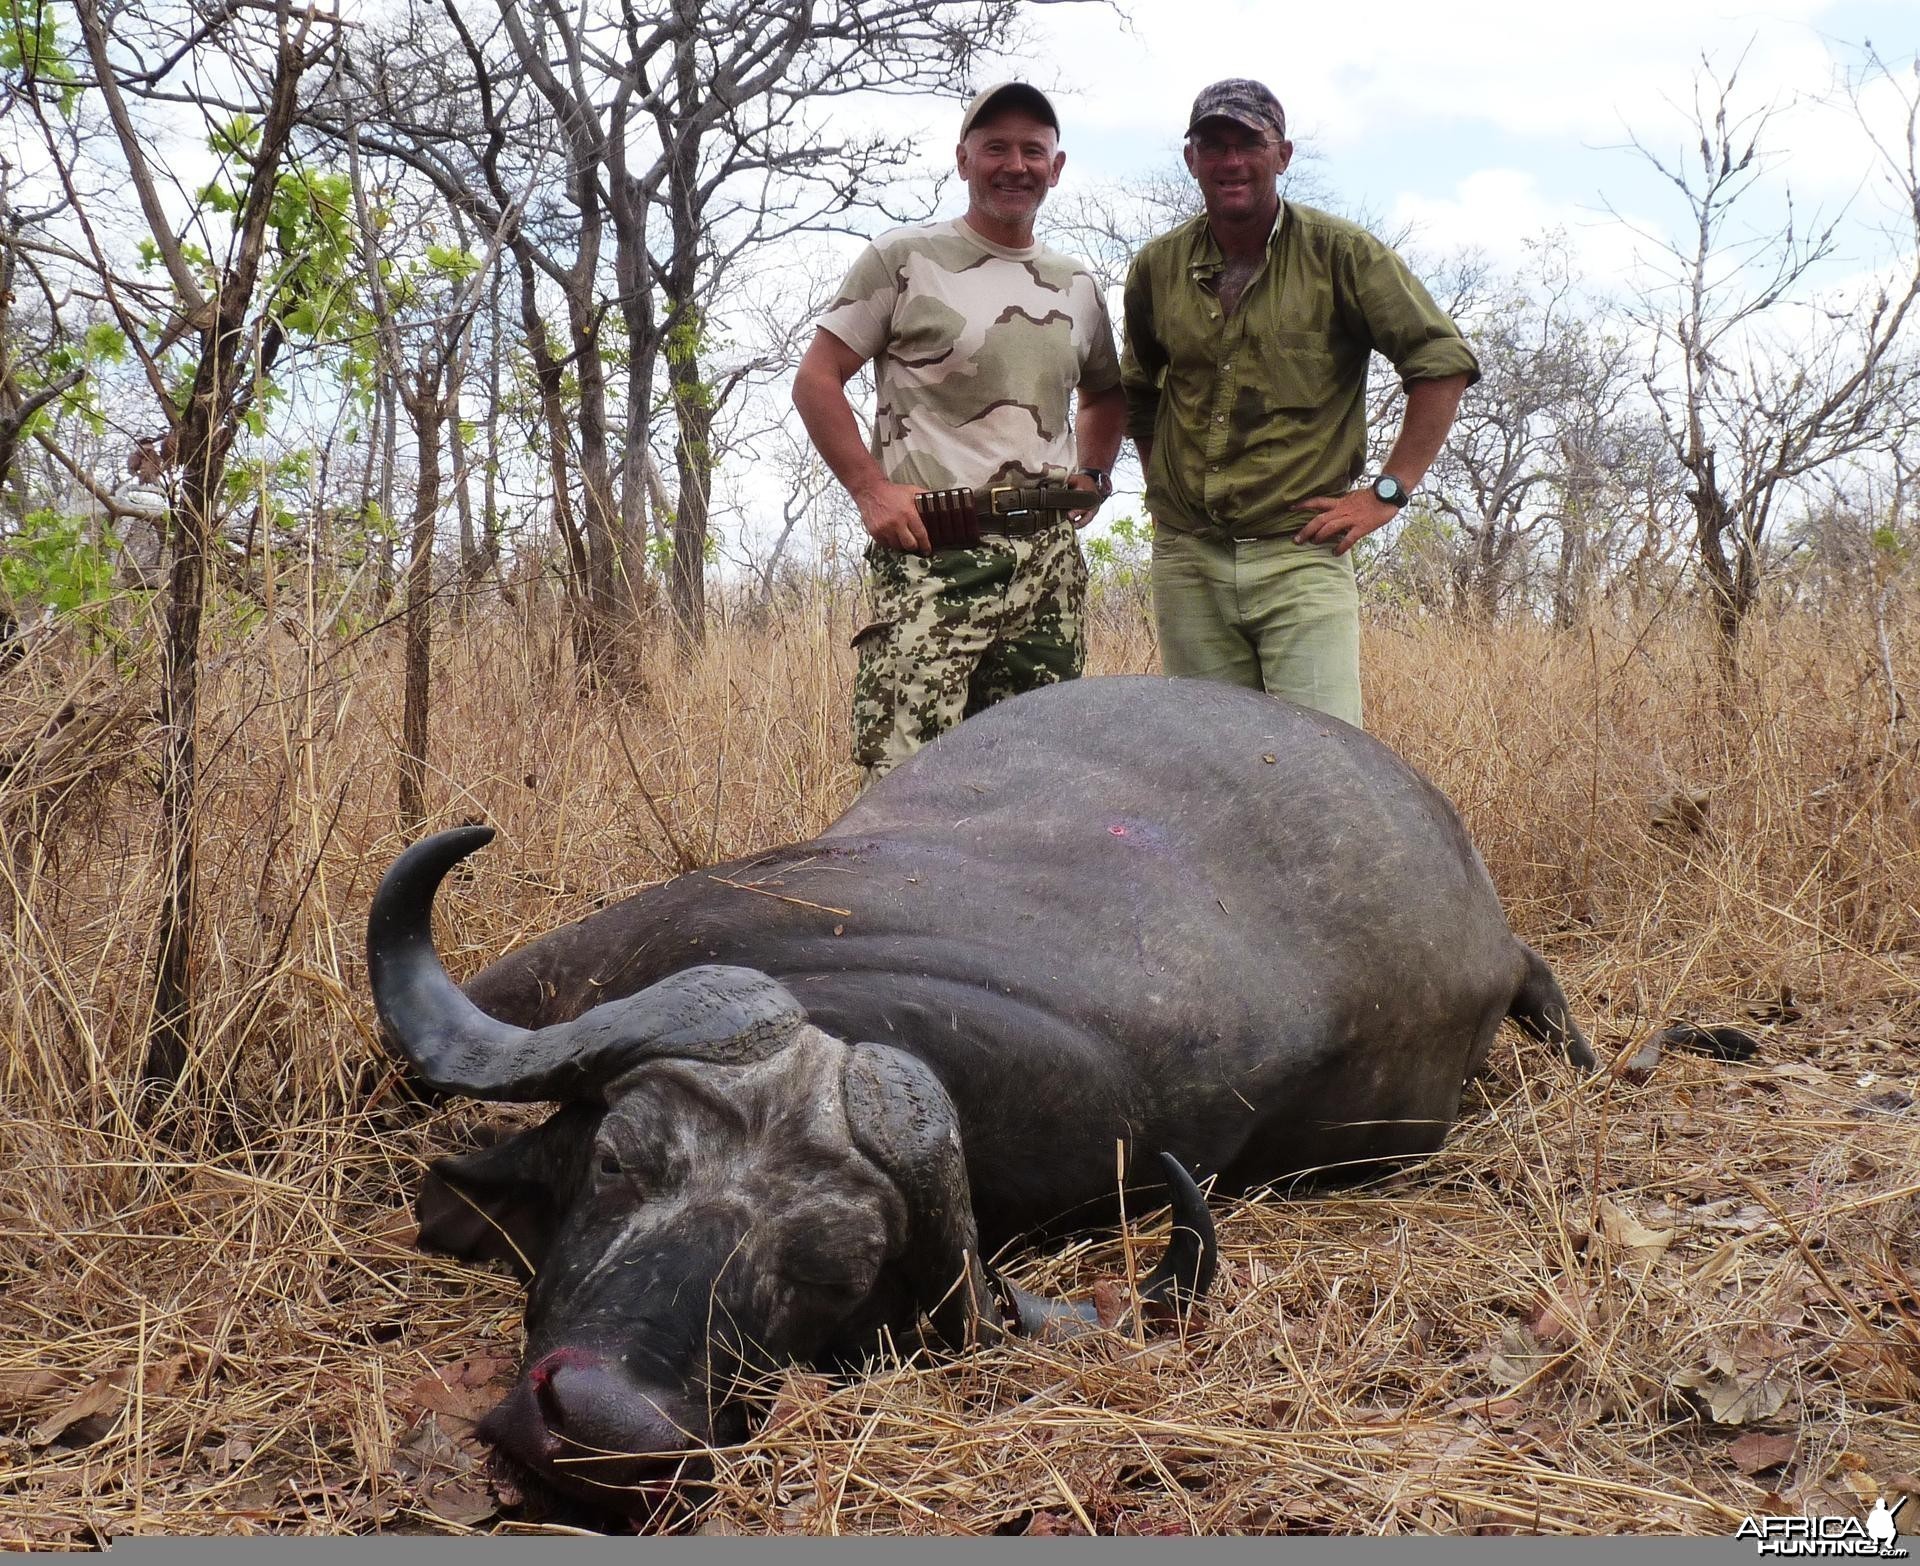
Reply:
x=1213, y=149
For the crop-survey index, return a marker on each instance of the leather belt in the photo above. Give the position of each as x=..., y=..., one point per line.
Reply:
x=955, y=518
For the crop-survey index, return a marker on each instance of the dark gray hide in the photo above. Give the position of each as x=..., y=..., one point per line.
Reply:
x=1171, y=913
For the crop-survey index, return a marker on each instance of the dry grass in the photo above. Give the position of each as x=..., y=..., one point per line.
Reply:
x=1607, y=1306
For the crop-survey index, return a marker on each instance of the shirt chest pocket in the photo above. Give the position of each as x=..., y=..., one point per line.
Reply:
x=1297, y=370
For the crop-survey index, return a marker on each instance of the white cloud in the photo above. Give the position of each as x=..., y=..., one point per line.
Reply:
x=1499, y=211
x=1583, y=73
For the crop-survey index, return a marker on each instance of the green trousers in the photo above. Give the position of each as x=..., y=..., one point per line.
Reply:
x=1261, y=612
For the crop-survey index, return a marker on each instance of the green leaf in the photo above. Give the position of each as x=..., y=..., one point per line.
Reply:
x=33, y=56
x=106, y=343
x=51, y=562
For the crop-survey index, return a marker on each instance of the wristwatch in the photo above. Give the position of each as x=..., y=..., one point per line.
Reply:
x=1388, y=488
x=1100, y=477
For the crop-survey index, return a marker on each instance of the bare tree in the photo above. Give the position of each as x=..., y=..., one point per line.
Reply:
x=433, y=303
x=1760, y=377
x=691, y=133
x=1525, y=460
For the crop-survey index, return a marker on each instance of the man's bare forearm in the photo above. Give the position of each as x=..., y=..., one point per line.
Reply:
x=1343, y=520
x=822, y=404
x=1431, y=407
x=1100, y=427
x=887, y=509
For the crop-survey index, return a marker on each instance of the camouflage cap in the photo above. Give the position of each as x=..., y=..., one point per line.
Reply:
x=1016, y=95
x=1244, y=102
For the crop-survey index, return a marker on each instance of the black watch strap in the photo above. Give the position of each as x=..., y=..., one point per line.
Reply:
x=1101, y=477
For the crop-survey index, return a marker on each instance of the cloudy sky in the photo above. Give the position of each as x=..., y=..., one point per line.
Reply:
x=1483, y=121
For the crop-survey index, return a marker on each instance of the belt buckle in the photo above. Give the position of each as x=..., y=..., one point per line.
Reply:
x=994, y=507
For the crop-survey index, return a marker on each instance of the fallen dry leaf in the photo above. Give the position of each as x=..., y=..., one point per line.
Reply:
x=1715, y=1269
x=432, y=1454
x=1516, y=1358
x=1756, y=1452
x=163, y=1376
x=393, y=1231
x=1558, y=1323
x=465, y=1504
x=1865, y=1487
x=464, y=1390
x=1733, y=1397
x=1053, y=1525
x=21, y=1391
x=799, y=1395
x=1620, y=1228
x=88, y=1415
x=229, y=1454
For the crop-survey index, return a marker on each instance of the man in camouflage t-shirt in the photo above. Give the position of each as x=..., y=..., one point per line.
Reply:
x=981, y=340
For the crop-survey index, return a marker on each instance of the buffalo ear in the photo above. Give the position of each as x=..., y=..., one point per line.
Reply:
x=903, y=1120
x=504, y=1202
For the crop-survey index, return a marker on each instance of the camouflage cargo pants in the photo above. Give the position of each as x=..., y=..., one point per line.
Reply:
x=953, y=633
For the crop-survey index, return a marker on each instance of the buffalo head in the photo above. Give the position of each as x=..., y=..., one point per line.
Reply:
x=724, y=1188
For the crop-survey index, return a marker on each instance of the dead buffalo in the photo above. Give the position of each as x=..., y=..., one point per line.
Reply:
x=802, y=1094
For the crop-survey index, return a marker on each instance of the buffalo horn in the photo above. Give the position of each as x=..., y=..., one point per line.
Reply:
x=1186, y=1272
x=1184, y=1275
x=709, y=1013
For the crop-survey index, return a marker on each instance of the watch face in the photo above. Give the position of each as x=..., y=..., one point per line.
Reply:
x=1390, y=490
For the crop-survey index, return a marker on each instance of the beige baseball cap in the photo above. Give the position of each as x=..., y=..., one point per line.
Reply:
x=1018, y=95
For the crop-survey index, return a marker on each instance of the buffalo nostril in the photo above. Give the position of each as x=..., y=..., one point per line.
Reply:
x=592, y=1405
x=547, y=1401
x=587, y=1425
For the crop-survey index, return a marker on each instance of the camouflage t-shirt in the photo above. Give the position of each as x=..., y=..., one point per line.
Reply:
x=979, y=349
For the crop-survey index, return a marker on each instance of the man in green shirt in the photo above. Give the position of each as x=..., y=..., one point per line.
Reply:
x=1248, y=332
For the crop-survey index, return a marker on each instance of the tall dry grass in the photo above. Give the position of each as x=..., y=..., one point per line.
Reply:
x=1640, y=1303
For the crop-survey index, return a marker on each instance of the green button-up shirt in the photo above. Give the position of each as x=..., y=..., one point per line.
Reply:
x=1251, y=413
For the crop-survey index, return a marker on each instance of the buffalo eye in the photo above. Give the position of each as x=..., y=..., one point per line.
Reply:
x=609, y=1165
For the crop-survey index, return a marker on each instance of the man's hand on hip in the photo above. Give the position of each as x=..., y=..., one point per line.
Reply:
x=1087, y=482
x=891, y=519
x=1343, y=520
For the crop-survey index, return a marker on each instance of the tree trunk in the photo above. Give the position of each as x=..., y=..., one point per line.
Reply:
x=170, y=1039
x=1731, y=585
x=1570, y=571
x=389, y=405
x=628, y=208
x=693, y=464
x=206, y=432
x=610, y=646
x=490, y=475
x=428, y=412
x=1483, y=596
x=548, y=377
x=472, y=565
